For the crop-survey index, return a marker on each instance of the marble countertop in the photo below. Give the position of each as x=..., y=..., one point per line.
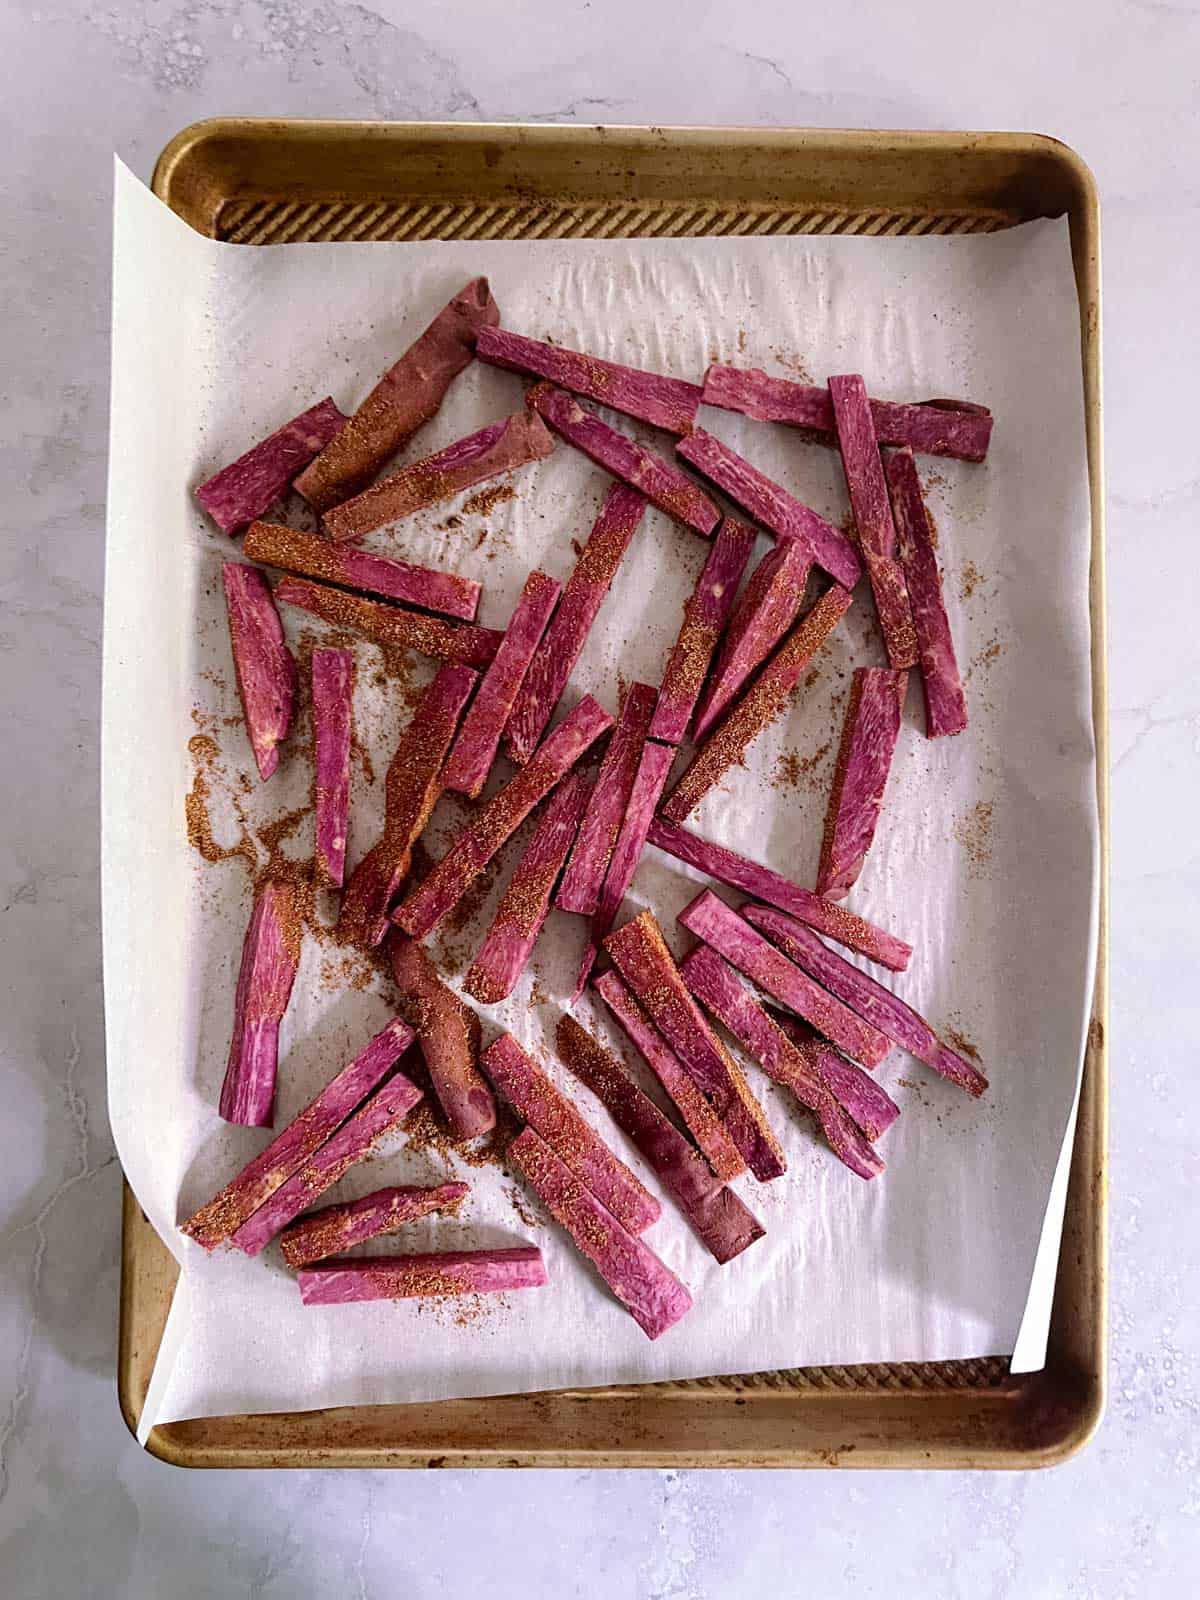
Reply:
x=82, y=1511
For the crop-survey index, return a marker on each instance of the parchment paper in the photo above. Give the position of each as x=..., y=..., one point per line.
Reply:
x=986, y=859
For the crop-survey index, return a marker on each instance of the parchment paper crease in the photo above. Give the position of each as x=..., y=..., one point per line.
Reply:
x=986, y=859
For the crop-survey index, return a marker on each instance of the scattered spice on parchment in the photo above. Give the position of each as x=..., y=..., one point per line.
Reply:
x=484, y=501
x=990, y=652
x=974, y=833
x=969, y=580
x=794, y=771
x=538, y=995
x=959, y=1040
x=521, y=1206
x=793, y=363
x=425, y=1129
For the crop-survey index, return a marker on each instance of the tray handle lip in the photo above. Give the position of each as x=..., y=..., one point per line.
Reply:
x=181, y=150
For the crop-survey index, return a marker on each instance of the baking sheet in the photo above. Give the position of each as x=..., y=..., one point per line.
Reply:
x=987, y=861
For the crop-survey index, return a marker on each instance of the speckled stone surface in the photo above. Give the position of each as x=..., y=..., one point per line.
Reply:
x=82, y=1511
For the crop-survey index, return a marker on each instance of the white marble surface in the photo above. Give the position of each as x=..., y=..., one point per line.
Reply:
x=82, y=1511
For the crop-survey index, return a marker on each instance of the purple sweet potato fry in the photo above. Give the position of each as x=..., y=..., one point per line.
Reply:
x=945, y=704
x=352, y=1143
x=448, y=1031
x=763, y=499
x=745, y=948
x=265, y=668
x=405, y=397
x=582, y=598
x=766, y=699
x=720, y=1220
x=250, y=486
x=873, y=516
x=475, y=748
x=644, y=1285
x=509, y=942
x=581, y=883
x=661, y=481
x=646, y=964
x=303, y=1136
x=701, y=1121
x=868, y=1102
x=499, y=448
x=575, y=1142
x=490, y=828
x=463, y=643
x=668, y=403
x=324, y=1233
x=719, y=989
x=430, y=1275
x=415, y=778
x=333, y=716
x=705, y=613
x=653, y=770
x=879, y=1006
x=270, y=956
x=737, y=872
x=764, y=614
x=933, y=427
x=308, y=555
x=869, y=735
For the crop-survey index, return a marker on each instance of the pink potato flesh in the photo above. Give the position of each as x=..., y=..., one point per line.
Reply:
x=769, y=504
x=463, y=643
x=491, y=452
x=767, y=698
x=407, y=395
x=584, y=878
x=685, y=1094
x=250, y=486
x=581, y=600
x=308, y=555
x=644, y=1285
x=668, y=403
x=353, y=1142
x=414, y=782
x=553, y=1118
x=869, y=734
x=722, y=992
x=661, y=481
x=433, y=1275
x=448, y=1031
x=521, y=914
x=764, y=614
x=653, y=771
x=479, y=738
x=873, y=516
x=333, y=718
x=646, y=964
x=738, y=872
x=745, y=948
x=931, y=427
x=265, y=669
x=870, y=999
x=490, y=828
x=289, y=1150
x=719, y=1218
x=945, y=703
x=324, y=1233
x=704, y=616
x=270, y=956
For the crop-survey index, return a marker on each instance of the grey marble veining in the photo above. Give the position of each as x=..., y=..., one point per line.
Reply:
x=82, y=1511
